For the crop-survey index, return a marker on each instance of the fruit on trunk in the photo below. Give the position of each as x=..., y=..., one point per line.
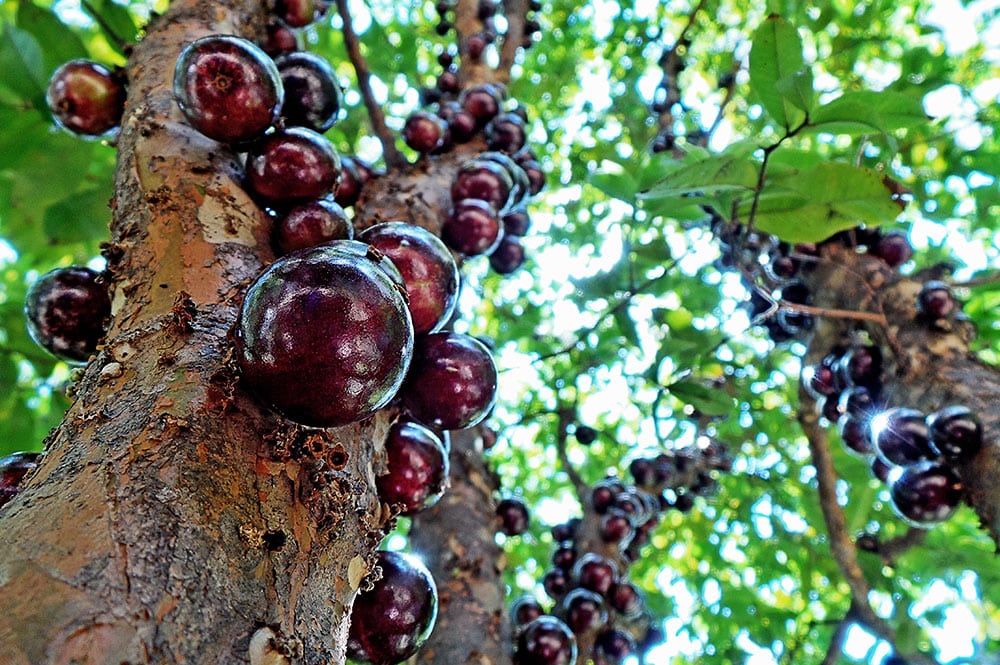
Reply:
x=595, y=572
x=936, y=301
x=292, y=165
x=312, y=94
x=227, y=88
x=296, y=13
x=545, y=641
x=417, y=468
x=893, y=248
x=452, y=381
x=424, y=132
x=556, y=583
x=280, y=39
x=506, y=133
x=13, y=468
x=428, y=268
x=481, y=101
x=86, y=98
x=584, y=611
x=625, y=599
x=926, y=492
x=901, y=437
x=311, y=224
x=472, y=228
x=483, y=179
x=513, y=516
x=508, y=255
x=324, y=336
x=395, y=617
x=612, y=647
x=524, y=610
x=956, y=433
x=67, y=311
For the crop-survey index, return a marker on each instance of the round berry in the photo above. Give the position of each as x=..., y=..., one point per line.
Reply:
x=514, y=517
x=524, y=610
x=452, y=382
x=595, y=572
x=428, y=268
x=956, y=433
x=545, y=641
x=417, y=468
x=894, y=248
x=227, y=88
x=293, y=164
x=508, y=256
x=311, y=224
x=612, y=647
x=86, y=98
x=424, y=132
x=67, y=311
x=926, y=492
x=395, y=617
x=584, y=611
x=901, y=437
x=312, y=94
x=936, y=300
x=485, y=180
x=324, y=336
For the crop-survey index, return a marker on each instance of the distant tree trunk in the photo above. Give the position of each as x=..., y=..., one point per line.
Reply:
x=172, y=517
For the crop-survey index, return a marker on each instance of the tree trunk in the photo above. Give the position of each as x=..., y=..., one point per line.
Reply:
x=172, y=518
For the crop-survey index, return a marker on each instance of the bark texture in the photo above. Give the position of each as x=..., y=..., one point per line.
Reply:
x=173, y=517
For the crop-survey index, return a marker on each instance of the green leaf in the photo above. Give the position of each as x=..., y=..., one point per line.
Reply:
x=80, y=217
x=23, y=65
x=778, y=72
x=866, y=112
x=614, y=181
x=115, y=22
x=706, y=175
x=708, y=401
x=813, y=204
x=61, y=43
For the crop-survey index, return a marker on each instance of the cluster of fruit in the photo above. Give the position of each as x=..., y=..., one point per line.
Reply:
x=594, y=602
x=475, y=44
x=916, y=454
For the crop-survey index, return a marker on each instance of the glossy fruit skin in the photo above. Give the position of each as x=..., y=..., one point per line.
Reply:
x=481, y=101
x=452, y=382
x=556, y=583
x=524, y=610
x=13, y=468
x=508, y=255
x=506, y=133
x=417, y=468
x=894, y=248
x=472, y=228
x=312, y=223
x=390, y=622
x=514, y=517
x=625, y=599
x=312, y=94
x=293, y=165
x=583, y=611
x=429, y=271
x=925, y=492
x=280, y=39
x=594, y=572
x=86, y=98
x=296, y=13
x=613, y=646
x=324, y=336
x=901, y=437
x=545, y=641
x=67, y=311
x=855, y=434
x=936, y=301
x=424, y=132
x=956, y=433
x=485, y=180
x=351, y=182
x=516, y=222
x=227, y=88
x=585, y=434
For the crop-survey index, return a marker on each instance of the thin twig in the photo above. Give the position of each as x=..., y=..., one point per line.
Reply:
x=836, y=647
x=393, y=157
x=566, y=417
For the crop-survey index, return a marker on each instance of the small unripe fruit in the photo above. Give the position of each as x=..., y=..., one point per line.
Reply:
x=67, y=310
x=228, y=88
x=86, y=98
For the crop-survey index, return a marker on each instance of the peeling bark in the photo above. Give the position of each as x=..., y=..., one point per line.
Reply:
x=173, y=517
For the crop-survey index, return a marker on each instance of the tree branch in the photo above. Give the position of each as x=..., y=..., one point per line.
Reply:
x=394, y=159
x=516, y=12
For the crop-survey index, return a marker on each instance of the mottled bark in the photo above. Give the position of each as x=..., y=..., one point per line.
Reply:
x=928, y=365
x=173, y=517
x=456, y=537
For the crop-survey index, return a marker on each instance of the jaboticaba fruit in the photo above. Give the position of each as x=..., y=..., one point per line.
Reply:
x=428, y=268
x=13, y=468
x=312, y=94
x=417, y=468
x=324, y=336
x=453, y=381
x=391, y=621
x=67, y=310
x=228, y=88
x=293, y=164
x=86, y=98
x=925, y=492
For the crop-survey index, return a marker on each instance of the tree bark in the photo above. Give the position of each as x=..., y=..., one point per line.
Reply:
x=172, y=517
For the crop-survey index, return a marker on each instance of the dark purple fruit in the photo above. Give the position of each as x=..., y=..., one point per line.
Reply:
x=280, y=39
x=513, y=516
x=612, y=647
x=324, y=336
x=296, y=13
x=524, y=610
x=616, y=527
x=819, y=380
x=880, y=469
x=508, y=255
x=545, y=641
x=428, y=268
x=417, y=468
x=312, y=94
x=594, y=572
x=311, y=224
x=506, y=133
x=390, y=621
x=461, y=124
x=556, y=583
x=482, y=102
x=351, y=182
x=516, y=222
x=936, y=301
x=859, y=402
x=564, y=556
x=901, y=437
x=626, y=600
x=472, y=228
x=925, y=492
x=424, y=132
x=474, y=46
x=536, y=176
x=565, y=531
x=584, y=611
x=452, y=381
x=13, y=468
x=485, y=180
x=603, y=494
x=860, y=366
x=855, y=434
x=86, y=98
x=585, y=434
x=448, y=82
x=67, y=311
x=227, y=88
x=956, y=433
x=894, y=248
x=292, y=165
